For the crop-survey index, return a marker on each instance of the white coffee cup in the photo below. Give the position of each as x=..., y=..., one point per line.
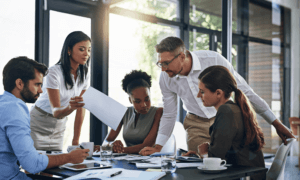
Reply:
x=213, y=163
x=71, y=148
x=90, y=146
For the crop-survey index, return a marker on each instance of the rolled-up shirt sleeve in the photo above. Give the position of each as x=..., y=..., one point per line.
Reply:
x=260, y=105
x=168, y=118
x=18, y=133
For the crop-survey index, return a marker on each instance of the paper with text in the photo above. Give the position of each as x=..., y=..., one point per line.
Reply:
x=106, y=109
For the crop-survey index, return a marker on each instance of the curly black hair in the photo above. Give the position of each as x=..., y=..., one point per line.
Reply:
x=136, y=79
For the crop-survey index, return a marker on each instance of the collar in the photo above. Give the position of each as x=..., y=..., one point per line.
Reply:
x=10, y=95
x=6, y=93
x=196, y=66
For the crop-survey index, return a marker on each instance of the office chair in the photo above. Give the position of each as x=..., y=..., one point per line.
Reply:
x=276, y=171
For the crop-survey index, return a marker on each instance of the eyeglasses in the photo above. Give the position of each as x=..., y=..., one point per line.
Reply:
x=166, y=64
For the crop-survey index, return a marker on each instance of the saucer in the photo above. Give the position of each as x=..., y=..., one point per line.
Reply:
x=205, y=170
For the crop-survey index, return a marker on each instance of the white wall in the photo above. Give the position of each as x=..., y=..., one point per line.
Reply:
x=295, y=52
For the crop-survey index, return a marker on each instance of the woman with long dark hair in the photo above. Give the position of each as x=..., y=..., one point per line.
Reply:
x=235, y=134
x=62, y=90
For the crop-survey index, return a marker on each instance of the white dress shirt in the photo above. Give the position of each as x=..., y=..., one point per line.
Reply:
x=186, y=87
x=55, y=80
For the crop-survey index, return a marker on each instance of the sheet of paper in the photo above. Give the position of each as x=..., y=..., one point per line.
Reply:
x=105, y=174
x=84, y=162
x=185, y=165
x=106, y=109
x=154, y=162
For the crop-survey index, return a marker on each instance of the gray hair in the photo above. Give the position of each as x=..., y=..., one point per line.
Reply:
x=171, y=44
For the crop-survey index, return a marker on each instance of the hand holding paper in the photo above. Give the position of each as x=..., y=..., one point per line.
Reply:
x=106, y=109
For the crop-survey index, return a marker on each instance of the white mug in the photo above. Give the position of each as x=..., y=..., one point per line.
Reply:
x=213, y=163
x=90, y=146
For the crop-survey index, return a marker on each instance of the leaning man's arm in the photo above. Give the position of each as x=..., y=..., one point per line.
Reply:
x=18, y=133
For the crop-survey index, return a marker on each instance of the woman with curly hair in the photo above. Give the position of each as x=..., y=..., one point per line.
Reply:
x=140, y=122
x=235, y=134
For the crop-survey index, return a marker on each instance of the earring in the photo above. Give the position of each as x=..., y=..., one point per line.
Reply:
x=69, y=54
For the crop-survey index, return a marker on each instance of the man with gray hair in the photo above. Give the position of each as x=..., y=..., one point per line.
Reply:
x=179, y=77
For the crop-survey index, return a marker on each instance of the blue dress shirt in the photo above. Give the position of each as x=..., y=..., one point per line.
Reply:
x=16, y=143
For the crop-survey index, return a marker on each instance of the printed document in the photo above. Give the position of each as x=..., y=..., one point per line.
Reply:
x=106, y=109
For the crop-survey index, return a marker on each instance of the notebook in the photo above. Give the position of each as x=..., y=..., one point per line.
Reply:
x=105, y=174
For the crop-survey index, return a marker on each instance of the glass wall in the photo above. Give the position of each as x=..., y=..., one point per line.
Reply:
x=160, y=8
x=17, y=19
x=266, y=64
x=198, y=41
x=134, y=49
x=206, y=13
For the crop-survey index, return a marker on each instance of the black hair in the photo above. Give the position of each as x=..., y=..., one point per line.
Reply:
x=21, y=67
x=72, y=39
x=136, y=79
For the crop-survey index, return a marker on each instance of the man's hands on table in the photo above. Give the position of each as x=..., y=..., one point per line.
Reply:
x=78, y=155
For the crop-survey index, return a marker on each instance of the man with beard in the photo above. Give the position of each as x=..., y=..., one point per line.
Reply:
x=181, y=69
x=22, y=80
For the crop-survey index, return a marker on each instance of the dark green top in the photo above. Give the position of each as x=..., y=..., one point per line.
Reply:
x=227, y=138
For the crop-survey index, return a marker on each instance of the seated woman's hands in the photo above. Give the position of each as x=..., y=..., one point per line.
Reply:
x=118, y=147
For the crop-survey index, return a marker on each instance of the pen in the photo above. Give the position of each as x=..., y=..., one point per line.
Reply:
x=117, y=173
x=81, y=147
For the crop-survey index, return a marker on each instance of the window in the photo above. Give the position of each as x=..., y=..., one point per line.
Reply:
x=17, y=22
x=207, y=14
x=165, y=9
x=134, y=49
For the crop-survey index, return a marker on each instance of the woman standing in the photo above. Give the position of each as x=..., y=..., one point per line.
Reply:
x=63, y=87
x=140, y=122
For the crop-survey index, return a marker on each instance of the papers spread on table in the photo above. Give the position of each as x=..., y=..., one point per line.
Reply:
x=106, y=109
x=154, y=162
x=87, y=162
x=125, y=174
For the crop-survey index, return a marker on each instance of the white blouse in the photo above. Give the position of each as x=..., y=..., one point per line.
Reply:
x=55, y=80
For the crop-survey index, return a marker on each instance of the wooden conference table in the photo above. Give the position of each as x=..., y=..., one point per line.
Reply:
x=180, y=174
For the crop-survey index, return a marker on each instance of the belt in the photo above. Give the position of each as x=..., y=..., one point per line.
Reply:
x=203, y=118
x=195, y=115
x=44, y=112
